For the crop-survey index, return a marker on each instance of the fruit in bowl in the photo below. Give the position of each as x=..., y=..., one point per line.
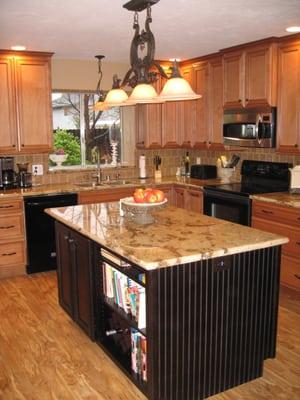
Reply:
x=148, y=195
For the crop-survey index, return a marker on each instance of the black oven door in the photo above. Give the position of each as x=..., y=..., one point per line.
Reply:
x=229, y=206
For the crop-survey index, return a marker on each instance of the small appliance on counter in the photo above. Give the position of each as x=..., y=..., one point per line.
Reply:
x=157, y=171
x=24, y=177
x=7, y=174
x=203, y=171
x=295, y=179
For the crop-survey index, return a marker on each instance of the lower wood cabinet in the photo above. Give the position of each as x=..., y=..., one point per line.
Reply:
x=75, y=269
x=12, y=237
x=104, y=195
x=189, y=199
x=284, y=221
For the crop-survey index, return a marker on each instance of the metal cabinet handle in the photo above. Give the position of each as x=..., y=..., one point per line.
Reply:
x=298, y=243
x=71, y=240
x=267, y=212
x=297, y=276
x=7, y=227
x=66, y=237
x=8, y=254
x=13, y=145
x=10, y=206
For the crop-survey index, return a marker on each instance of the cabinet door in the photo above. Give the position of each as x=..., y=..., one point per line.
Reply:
x=193, y=200
x=260, y=69
x=149, y=126
x=173, y=124
x=288, y=132
x=33, y=95
x=201, y=138
x=83, y=301
x=215, y=98
x=178, y=197
x=64, y=269
x=8, y=121
x=233, y=74
x=189, y=111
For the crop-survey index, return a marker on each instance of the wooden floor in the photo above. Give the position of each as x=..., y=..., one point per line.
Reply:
x=44, y=355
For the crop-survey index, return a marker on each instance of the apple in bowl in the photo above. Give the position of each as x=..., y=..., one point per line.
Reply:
x=148, y=195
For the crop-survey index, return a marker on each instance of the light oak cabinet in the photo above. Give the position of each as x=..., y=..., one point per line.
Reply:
x=250, y=76
x=188, y=198
x=12, y=237
x=149, y=126
x=288, y=128
x=25, y=103
x=104, y=195
x=284, y=221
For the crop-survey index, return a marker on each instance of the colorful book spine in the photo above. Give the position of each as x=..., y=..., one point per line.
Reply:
x=139, y=354
x=126, y=293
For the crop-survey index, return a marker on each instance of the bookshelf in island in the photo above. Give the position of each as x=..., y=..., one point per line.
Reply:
x=186, y=306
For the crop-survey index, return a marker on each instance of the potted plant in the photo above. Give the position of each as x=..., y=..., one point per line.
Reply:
x=58, y=157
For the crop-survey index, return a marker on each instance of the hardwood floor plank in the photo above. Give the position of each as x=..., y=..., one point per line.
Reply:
x=45, y=355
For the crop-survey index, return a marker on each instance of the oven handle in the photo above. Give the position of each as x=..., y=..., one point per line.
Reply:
x=258, y=121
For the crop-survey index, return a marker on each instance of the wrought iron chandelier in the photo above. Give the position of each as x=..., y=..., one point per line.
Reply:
x=145, y=70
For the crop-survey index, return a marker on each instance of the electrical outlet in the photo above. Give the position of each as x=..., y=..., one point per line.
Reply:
x=37, y=169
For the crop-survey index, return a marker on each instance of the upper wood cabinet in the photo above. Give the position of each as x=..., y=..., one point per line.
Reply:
x=215, y=103
x=250, y=76
x=148, y=126
x=173, y=124
x=25, y=103
x=288, y=128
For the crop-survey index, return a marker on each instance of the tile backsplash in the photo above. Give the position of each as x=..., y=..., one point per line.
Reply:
x=171, y=160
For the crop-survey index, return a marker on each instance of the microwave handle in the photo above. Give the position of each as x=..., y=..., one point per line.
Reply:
x=258, y=121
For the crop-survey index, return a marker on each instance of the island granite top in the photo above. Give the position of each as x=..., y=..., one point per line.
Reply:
x=176, y=237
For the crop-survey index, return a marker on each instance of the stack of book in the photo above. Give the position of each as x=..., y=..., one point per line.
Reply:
x=126, y=293
x=139, y=354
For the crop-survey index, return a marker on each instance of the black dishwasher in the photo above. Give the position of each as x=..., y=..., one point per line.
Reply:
x=40, y=230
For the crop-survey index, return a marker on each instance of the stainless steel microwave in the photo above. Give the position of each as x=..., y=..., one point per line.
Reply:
x=250, y=128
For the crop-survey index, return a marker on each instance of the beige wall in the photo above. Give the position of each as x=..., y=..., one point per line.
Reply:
x=83, y=74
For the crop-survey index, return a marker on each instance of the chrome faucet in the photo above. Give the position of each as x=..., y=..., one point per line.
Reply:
x=98, y=175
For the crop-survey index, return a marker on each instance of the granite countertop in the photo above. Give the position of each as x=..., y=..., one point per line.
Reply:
x=281, y=198
x=72, y=187
x=177, y=237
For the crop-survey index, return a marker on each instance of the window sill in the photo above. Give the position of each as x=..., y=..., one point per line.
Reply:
x=80, y=168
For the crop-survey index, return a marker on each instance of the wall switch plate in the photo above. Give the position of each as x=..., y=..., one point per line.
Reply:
x=37, y=169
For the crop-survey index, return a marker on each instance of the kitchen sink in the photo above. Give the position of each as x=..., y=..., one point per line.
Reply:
x=104, y=183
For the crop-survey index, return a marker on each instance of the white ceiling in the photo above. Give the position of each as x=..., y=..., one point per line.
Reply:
x=182, y=28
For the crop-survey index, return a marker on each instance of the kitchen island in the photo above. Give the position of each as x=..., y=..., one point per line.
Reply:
x=210, y=289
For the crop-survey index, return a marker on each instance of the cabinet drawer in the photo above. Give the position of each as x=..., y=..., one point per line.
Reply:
x=293, y=246
x=11, y=227
x=290, y=272
x=10, y=206
x=284, y=215
x=12, y=253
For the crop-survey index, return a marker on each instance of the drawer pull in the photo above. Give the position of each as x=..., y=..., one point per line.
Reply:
x=8, y=254
x=298, y=243
x=7, y=227
x=194, y=194
x=297, y=276
x=10, y=206
x=267, y=212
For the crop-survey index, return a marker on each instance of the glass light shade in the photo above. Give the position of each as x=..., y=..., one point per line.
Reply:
x=100, y=106
x=115, y=97
x=176, y=89
x=143, y=93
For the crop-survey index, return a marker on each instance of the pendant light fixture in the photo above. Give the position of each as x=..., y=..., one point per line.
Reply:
x=145, y=70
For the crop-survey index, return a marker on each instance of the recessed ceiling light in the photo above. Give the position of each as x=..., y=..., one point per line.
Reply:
x=18, y=48
x=293, y=29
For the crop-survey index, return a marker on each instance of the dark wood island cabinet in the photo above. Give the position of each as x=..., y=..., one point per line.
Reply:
x=182, y=323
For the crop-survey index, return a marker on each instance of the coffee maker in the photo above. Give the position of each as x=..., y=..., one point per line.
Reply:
x=7, y=173
x=24, y=177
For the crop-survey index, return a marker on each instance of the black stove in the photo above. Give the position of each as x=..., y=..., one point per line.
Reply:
x=231, y=201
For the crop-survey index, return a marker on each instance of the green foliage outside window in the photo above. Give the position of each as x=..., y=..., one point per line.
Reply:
x=71, y=145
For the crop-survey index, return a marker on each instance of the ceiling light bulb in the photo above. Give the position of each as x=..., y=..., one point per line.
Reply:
x=293, y=29
x=18, y=48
